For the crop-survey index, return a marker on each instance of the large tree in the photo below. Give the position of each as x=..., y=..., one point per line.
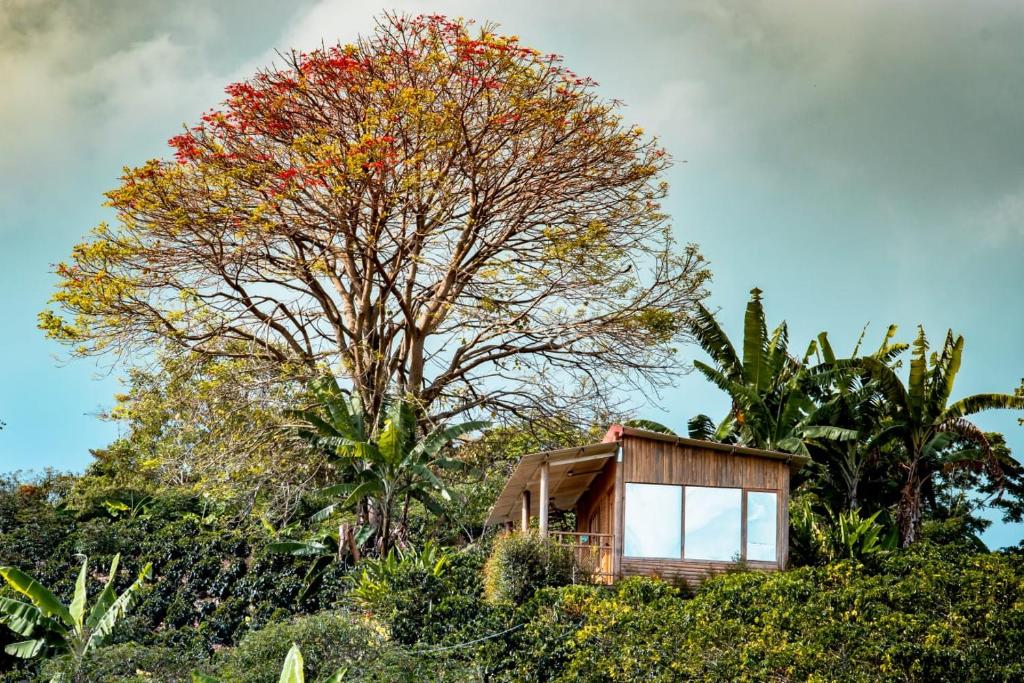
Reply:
x=435, y=210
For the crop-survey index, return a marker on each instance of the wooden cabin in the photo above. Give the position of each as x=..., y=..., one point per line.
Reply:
x=651, y=504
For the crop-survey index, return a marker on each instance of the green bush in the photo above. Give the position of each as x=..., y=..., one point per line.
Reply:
x=329, y=641
x=405, y=590
x=522, y=563
x=930, y=614
x=134, y=663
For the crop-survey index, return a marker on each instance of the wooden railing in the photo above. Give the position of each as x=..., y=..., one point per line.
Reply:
x=593, y=553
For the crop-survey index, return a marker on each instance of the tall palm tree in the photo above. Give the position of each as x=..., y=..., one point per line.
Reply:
x=380, y=466
x=932, y=434
x=771, y=408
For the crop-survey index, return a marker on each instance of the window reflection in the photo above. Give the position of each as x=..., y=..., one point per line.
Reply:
x=713, y=519
x=653, y=520
x=762, y=510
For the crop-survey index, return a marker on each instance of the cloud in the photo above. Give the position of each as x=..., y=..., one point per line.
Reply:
x=908, y=103
x=1005, y=220
x=87, y=82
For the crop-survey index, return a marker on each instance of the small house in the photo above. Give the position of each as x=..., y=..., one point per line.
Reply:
x=652, y=504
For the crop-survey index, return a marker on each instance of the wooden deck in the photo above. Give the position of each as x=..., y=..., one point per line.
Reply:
x=592, y=552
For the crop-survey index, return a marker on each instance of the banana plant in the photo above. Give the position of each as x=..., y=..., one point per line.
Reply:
x=64, y=632
x=930, y=435
x=293, y=671
x=381, y=466
x=771, y=408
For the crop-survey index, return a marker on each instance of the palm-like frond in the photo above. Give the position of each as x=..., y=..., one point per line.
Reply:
x=755, y=342
x=701, y=427
x=918, y=368
x=981, y=402
x=40, y=596
x=113, y=614
x=944, y=370
x=715, y=342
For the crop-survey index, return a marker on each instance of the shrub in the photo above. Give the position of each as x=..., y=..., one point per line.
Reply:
x=929, y=614
x=522, y=563
x=134, y=663
x=405, y=589
x=329, y=641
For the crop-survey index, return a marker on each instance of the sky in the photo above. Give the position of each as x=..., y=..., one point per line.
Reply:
x=859, y=161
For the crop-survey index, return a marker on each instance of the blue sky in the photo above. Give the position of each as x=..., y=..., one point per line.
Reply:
x=858, y=161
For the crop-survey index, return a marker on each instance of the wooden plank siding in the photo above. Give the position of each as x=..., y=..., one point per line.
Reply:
x=661, y=461
x=658, y=462
x=596, y=508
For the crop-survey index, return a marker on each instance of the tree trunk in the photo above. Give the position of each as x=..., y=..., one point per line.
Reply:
x=385, y=527
x=909, y=516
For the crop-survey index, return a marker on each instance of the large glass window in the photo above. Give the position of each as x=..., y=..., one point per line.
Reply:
x=762, y=520
x=713, y=521
x=653, y=520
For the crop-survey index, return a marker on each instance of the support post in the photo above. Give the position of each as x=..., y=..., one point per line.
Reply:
x=524, y=520
x=542, y=504
x=617, y=518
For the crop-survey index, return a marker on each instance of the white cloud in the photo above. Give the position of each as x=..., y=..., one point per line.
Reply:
x=1005, y=220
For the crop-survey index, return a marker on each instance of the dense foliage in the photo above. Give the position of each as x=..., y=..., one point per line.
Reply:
x=875, y=439
x=522, y=563
x=213, y=577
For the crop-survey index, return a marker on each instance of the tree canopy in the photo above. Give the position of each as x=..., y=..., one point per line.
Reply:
x=435, y=210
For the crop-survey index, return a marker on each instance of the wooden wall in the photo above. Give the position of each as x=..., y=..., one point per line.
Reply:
x=661, y=462
x=595, y=511
x=651, y=461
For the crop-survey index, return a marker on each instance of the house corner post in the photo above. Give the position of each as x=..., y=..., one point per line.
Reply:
x=617, y=516
x=542, y=504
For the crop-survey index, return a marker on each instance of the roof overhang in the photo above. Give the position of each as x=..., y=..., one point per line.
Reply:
x=571, y=471
x=797, y=460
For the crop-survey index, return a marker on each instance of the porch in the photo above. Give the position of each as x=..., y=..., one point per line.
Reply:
x=568, y=478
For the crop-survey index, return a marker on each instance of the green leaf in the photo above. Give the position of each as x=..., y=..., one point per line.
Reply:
x=324, y=513
x=26, y=649
x=299, y=548
x=367, y=488
x=105, y=625
x=397, y=433
x=338, y=676
x=293, y=667
x=106, y=597
x=42, y=598
x=78, y=599
x=20, y=617
x=701, y=427
x=755, y=336
x=440, y=437
x=828, y=432
x=826, y=348
x=650, y=426
x=203, y=678
x=918, y=368
x=981, y=402
x=715, y=342
x=428, y=502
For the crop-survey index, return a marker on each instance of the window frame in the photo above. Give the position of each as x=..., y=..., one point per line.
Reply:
x=682, y=528
x=745, y=490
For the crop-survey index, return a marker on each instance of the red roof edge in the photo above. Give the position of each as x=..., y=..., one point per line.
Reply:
x=614, y=434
